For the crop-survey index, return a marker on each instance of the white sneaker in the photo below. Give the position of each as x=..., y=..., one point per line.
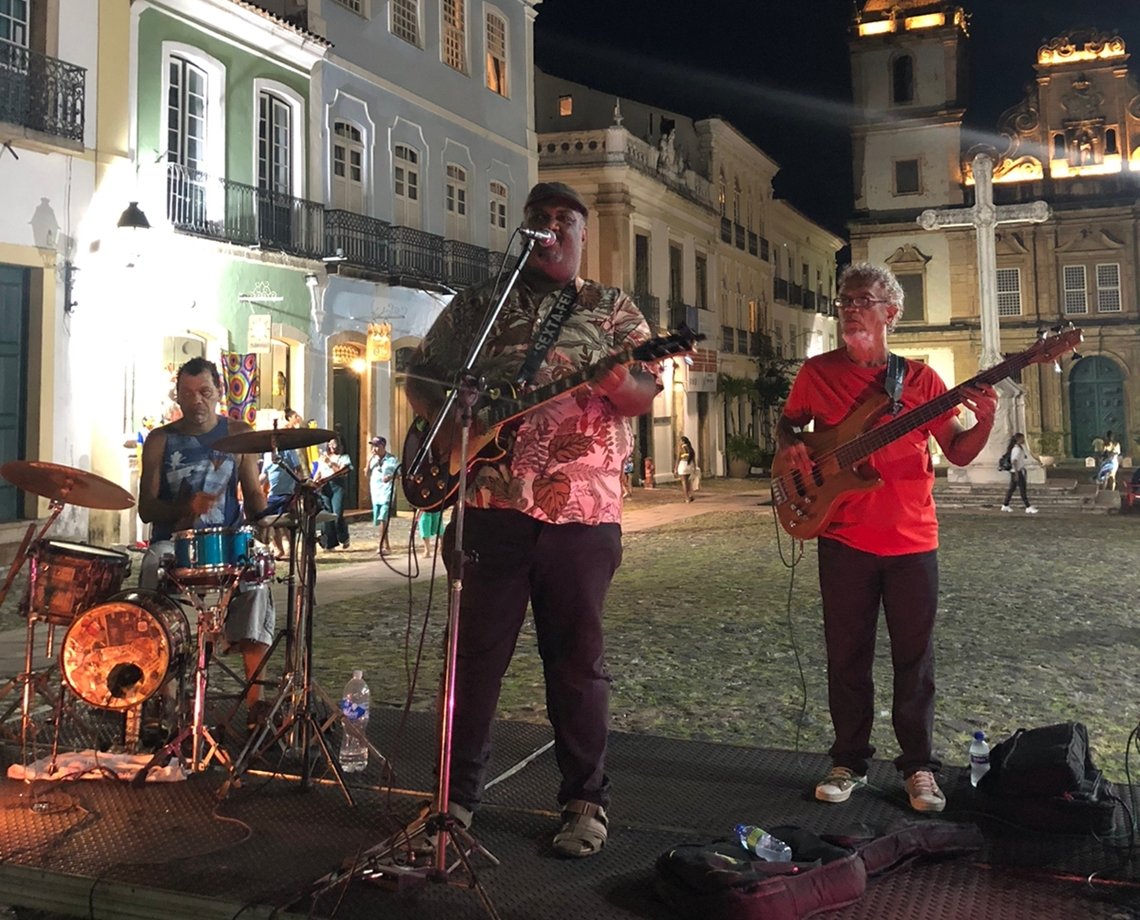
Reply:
x=923, y=791
x=1030, y=510
x=838, y=785
x=1006, y=508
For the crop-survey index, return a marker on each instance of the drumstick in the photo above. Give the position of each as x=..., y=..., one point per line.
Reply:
x=18, y=562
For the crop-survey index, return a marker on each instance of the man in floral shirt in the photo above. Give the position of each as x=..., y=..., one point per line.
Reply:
x=542, y=524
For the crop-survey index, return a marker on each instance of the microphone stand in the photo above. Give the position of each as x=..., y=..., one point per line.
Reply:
x=378, y=861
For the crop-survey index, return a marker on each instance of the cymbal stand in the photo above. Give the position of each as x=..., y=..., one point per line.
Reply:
x=378, y=861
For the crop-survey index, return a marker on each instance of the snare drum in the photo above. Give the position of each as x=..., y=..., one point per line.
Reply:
x=119, y=653
x=211, y=555
x=70, y=577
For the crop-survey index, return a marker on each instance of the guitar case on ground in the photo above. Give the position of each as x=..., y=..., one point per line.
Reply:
x=720, y=880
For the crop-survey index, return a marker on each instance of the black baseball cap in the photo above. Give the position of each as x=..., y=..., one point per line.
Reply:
x=556, y=191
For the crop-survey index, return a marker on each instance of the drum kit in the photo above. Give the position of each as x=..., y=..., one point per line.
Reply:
x=123, y=650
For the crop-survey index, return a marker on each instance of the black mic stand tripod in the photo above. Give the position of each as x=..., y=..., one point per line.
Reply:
x=382, y=861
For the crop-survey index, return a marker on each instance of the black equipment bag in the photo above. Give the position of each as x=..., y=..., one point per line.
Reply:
x=720, y=880
x=1044, y=778
x=1039, y=762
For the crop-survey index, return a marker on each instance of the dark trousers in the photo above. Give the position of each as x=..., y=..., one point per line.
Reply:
x=564, y=571
x=854, y=584
x=1017, y=481
x=334, y=533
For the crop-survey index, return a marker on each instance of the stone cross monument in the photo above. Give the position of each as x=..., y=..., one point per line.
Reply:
x=985, y=217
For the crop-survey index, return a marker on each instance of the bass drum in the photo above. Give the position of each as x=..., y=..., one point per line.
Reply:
x=119, y=653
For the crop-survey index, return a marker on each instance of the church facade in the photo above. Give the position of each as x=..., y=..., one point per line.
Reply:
x=1072, y=142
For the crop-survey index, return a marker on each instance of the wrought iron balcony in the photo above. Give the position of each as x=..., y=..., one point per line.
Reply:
x=41, y=93
x=780, y=289
x=650, y=307
x=362, y=241
x=684, y=313
x=464, y=264
x=236, y=213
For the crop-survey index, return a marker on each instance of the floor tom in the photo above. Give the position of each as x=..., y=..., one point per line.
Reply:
x=70, y=577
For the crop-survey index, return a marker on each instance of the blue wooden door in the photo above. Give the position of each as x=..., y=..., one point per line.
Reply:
x=13, y=370
x=1096, y=401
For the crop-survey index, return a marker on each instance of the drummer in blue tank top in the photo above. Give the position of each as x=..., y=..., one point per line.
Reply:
x=185, y=484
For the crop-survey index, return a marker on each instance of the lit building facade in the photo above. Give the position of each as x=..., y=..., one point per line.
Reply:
x=682, y=217
x=1073, y=142
x=423, y=150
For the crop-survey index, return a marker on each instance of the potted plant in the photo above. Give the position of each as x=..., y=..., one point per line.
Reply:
x=743, y=454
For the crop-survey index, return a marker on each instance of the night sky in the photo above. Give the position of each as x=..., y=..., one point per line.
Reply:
x=779, y=71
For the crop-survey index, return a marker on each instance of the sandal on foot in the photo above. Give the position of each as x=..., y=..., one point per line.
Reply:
x=584, y=829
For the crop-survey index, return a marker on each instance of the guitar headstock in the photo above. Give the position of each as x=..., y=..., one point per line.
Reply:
x=663, y=346
x=1054, y=343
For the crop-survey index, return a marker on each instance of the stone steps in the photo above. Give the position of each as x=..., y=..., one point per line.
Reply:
x=1055, y=494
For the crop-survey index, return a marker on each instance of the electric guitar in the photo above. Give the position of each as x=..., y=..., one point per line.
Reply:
x=436, y=484
x=804, y=505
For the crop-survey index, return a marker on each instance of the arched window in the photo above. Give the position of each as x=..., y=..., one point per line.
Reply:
x=406, y=210
x=347, y=167
x=455, y=201
x=902, y=80
x=498, y=216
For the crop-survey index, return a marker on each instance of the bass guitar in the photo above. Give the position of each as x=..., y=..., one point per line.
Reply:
x=436, y=484
x=805, y=505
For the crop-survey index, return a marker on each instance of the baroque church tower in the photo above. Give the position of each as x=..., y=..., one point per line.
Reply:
x=1072, y=141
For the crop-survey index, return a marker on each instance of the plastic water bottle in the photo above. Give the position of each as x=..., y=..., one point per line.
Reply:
x=354, y=708
x=759, y=841
x=979, y=757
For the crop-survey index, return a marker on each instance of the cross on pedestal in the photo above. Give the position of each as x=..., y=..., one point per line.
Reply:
x=985, y=217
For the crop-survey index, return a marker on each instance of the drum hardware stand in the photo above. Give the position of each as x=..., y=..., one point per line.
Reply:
x=287, y=634
x=295, y=696
x=209, y=624
x=377, y=862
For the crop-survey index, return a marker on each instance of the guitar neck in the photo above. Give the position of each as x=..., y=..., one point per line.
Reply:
x=507, y=408
x=880, y=436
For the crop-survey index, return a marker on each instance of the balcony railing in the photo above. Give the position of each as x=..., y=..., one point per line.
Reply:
x=684, y=313
x=41, y=93
x=726, y=230
x=236, y=213
x=223, y=210
x=740, y=236
x=361, y=240
x=650, y=307
x=415, y=254
x=807, y=299
x=780, y=289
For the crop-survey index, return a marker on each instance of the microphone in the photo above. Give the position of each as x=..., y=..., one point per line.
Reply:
x=543, y=237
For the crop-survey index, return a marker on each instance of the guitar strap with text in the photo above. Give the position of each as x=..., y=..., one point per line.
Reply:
x=893, y=384
x=547, y=333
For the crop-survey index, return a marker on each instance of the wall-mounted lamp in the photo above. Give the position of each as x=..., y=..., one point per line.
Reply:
x=133, y=218
x=69, y=271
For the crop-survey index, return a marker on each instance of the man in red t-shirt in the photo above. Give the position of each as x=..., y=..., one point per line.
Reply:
x=881, y=545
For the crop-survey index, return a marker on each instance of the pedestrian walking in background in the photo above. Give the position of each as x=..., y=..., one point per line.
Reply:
x=428, y=527
x=1109, y=463
x=1018, y=452
x=332, y=468
x=382, y=467
x=686, y=466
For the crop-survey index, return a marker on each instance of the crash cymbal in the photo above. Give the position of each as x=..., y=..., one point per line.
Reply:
x=258, y=442
x=66, y=484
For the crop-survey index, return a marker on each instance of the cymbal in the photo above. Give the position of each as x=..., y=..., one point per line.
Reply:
x=258, y=442
x=66, y=484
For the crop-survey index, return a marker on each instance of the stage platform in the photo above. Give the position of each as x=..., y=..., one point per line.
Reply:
x=107, y=849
